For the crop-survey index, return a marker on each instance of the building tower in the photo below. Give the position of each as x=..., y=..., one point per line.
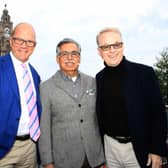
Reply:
x=6, y=27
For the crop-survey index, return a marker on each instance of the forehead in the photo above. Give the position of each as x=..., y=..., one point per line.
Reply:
x=68, y=46
x=109, y=38
x=25, y=32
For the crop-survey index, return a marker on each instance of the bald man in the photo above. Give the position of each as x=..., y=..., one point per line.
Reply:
x=19, y=101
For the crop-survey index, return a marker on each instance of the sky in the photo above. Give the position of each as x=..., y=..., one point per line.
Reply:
x=143, y=24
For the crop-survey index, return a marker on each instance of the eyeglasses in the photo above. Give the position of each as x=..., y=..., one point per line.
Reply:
x=108, y=47
x=20, y=41
x=74, y=54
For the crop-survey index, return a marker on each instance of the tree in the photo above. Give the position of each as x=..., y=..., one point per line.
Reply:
x=161, y=69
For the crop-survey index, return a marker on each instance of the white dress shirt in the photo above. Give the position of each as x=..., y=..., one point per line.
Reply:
x=23, y=127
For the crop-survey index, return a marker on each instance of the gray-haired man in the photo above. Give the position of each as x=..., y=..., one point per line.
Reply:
x=70, y=135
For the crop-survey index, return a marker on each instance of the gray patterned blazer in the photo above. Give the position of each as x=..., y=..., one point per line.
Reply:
x=68, y=125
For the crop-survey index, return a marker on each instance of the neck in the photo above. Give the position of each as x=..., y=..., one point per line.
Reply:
x=71, y=73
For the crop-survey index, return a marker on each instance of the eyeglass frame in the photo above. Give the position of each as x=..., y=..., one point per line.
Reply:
x=108, y=46
x=65, y=54
x=20, y=41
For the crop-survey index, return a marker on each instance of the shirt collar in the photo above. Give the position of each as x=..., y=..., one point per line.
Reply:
x=66, y=77
x=17, y=62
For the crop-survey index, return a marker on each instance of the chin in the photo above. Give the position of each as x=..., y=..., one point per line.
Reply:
x=114, y=63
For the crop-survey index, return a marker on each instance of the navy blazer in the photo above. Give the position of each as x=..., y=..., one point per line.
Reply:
x=146, y=111
x=10, y=108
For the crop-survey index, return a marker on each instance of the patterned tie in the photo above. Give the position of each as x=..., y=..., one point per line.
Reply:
x=31, y=105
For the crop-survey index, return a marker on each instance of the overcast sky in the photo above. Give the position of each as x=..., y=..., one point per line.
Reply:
x=143, y=23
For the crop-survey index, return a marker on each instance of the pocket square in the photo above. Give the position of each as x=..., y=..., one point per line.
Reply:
x=91, y=91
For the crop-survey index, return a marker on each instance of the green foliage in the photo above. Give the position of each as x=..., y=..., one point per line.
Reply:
x=161, y=69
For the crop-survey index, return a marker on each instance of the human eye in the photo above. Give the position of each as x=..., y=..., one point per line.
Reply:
x=31, y=43
x=117, y=45
x=18, y=40
x=64, y=54
x=105, y=47
x=75, y=53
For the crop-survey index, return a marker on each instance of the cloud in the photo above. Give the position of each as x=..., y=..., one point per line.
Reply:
x=143, y=24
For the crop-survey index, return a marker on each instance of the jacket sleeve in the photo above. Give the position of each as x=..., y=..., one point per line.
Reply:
x=98, y=107
x=156, y=108
x=45, y=145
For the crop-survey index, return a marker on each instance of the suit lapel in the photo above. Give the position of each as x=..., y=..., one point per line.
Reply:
x=128, y=84
x=62, y=84
x=130, y=92
x=11, y=76
x=83, y=86
x=34, y=76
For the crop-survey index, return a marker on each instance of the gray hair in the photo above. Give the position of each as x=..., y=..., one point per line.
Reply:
x=65, y=41
x=112, y=29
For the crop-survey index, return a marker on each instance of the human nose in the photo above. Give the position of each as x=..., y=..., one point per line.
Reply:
x=69, y=56
x=24, y=44
x=111, y=48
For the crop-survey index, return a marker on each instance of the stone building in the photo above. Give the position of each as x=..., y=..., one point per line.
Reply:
x=6, y=27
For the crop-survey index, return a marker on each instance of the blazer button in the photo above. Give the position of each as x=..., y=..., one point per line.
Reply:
x=79, y=105
x=81, y=120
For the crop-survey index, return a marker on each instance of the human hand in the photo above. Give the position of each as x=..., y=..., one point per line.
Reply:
x=103, y=166
x=49, y=166
x=154, y=160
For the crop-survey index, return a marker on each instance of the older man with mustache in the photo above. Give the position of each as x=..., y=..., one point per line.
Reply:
x=70, y=135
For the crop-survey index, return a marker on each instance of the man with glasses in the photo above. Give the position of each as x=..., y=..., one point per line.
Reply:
x=130, y=110
x=20, y=106
x=70, y=135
